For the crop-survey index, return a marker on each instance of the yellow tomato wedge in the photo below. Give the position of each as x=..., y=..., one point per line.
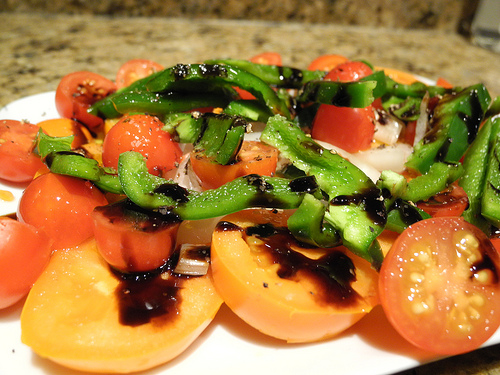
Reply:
x=81, y=315
x=255, y=275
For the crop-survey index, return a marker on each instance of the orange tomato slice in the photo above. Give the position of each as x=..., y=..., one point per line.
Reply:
x=75, y=312
x=304, y=306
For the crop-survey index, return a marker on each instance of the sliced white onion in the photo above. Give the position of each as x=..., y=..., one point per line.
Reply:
x=423, y=120
x=192, y=262
x=387, y=128
x=386, y=157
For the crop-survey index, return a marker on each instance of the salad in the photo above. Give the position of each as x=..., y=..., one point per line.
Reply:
x=301, y=199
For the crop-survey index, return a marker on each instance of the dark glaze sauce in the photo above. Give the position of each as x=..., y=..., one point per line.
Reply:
x=295, y=76
x=409, y=214
x=486, y=263
x=176, y=192
x=153, y=297
x=370, y=199
x=332, y=273
x=305, y=184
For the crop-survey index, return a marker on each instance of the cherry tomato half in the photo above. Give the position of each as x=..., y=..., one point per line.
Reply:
x=141, y=133
x=351, y=129
x=133, y=240
x=18, y=163
x=134, y=70
x=439, y=286
x=78, y=91
x=254, y=158
x=61, y=206
x=327, y=62
x=268, y=58
x=24, y=253
x=451, y=202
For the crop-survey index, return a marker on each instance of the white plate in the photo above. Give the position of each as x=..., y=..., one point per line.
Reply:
x=229, y=346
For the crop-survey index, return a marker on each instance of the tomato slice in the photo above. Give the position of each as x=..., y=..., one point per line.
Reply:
x=134, y=70
x=439, y=286
x=144, y=134
x=18, y=161
x=24, y=253
x=78, y=91
x=268, y=58
x=451, y=202
x=282, y=288
x=131, y=239
x=60, y=206
x=327, y=62
x=351, y=129
x=84, y=316
x=254, y=158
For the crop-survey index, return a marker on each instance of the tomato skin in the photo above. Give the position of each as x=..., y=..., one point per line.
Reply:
x=327, y=62
x=451, y=202
x=141, y=133
x=78, y=91
x=134, y=70
x=439, y=286
x=61, y=206
x=291, y=307
x=131, y=242
x=18, y=163
x=268, y=58
x=24, y=253
x=351, y=129
x=254, y=158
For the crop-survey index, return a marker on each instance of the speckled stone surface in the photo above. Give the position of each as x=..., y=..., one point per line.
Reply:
x=37, y=50
x=421, y=14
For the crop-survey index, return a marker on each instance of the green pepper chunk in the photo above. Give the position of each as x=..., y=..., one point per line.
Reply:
x=279, y=76
x=155, y=193
x=206, y=77
x=490, y=201
x=355, y=208
x=454, y=126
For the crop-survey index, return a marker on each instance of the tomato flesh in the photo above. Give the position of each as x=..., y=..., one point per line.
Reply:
x=141, y=133
x=18, y=162
x=439, y=286
x=134, y=70
x=61, y=206
x=24, y=253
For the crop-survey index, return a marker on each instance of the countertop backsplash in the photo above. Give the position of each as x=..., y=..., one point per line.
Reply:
x=445, y=15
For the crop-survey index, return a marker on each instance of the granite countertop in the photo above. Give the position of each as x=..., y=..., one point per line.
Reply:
x=37, y=50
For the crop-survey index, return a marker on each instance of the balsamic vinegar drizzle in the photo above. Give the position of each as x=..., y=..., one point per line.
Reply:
x=332, y=274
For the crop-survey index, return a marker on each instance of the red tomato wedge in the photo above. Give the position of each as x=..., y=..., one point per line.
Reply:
x=18, y=162
x=24, y=253
x=254, y=158
x=439, y=286
x=78, y=91
x=283, y=289
x=327, y=62
x=84, y=316
x=134, y=70
x=268, y=58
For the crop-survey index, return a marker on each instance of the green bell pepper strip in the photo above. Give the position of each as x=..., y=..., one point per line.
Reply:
x=438, y=177
x=58, y=156
x=454, y=125
x=307, y=224
x=184, y=127
x=357, y=94
x=402, y=214
x=279, y=76
x=404, y=109
x=155, y=193
x=249, y=109
x=159, y=103
x=475, y=164
x=490, y=200
x=356, y=208
x=416, y=89
x=205, y=77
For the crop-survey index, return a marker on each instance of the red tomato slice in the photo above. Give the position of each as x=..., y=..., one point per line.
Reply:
x=18, y=163
x=351, y=129
x=268, y=58
x=133, y=240
x=24, y=253
x=451, y=202
x=61, y=206
x=439, y=286
x=144, y=134
x=254, y=158
x=134, y=70
x=78, y=91
x=327, y=62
